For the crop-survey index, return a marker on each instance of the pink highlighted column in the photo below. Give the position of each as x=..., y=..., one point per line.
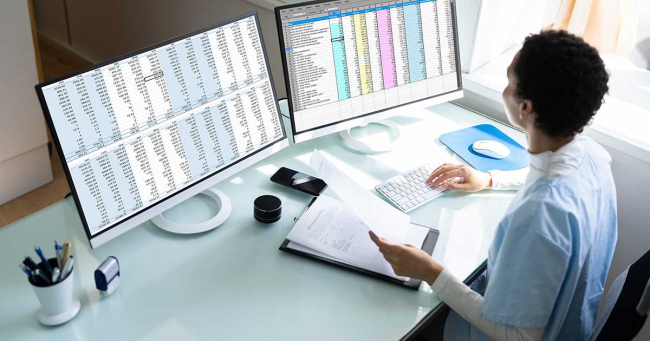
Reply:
x=386, y=48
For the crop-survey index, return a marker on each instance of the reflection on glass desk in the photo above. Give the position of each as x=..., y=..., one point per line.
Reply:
x=233, y=283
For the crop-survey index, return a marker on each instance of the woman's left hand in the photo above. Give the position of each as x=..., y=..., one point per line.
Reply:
x=408, y=260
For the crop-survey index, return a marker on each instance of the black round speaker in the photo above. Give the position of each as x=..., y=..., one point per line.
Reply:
x=267, y=209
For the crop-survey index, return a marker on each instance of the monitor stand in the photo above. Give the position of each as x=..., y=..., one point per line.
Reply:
x=370, y=148
x=225, y=207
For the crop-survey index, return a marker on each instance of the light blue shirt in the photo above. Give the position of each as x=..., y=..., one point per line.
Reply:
x=551, y=252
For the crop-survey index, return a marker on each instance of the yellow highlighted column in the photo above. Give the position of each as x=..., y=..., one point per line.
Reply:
x=363, y=52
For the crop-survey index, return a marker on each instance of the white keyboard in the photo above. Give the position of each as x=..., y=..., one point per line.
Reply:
x=409, y=191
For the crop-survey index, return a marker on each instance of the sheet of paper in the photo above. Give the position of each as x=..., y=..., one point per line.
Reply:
x=416, y=237
x=382, y=218
x=331, y=227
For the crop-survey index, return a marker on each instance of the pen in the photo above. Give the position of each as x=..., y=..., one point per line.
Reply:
x=29, y=263
x=43, y=259
x=66, y=268
x=57, y=249
x=65, y=254
x=56, y=273
x=25, y=269
x=305, y=211
x=39, y=273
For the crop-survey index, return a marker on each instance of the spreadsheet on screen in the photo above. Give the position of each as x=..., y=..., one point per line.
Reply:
x=350, y=58
x=135, y=131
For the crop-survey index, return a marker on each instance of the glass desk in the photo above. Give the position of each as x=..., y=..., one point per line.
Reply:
x=233, y=283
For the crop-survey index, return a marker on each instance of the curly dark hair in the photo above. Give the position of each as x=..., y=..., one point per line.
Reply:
x=564, y=78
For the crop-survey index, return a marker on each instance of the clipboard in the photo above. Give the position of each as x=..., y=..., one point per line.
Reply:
x=428, y=245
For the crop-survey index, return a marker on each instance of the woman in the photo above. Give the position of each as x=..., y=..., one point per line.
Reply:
x=551, y=251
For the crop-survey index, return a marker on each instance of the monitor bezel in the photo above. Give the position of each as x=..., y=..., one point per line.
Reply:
x=172, y=199
x=373, y=116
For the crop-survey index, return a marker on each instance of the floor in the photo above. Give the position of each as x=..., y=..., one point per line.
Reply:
x=56, y=62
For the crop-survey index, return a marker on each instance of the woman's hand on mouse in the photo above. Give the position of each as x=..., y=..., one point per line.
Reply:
x=460, y=178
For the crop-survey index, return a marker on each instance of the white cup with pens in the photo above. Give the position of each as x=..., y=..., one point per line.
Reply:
x=52, y=281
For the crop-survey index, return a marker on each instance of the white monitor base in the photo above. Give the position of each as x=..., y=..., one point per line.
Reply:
x=225, y=208
x=373, y=148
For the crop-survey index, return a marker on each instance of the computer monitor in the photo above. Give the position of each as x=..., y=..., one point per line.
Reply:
x=143, y=132
x=347, y=62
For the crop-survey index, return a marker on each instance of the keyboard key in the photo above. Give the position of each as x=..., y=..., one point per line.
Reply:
x=409, y=190
x=430, y=194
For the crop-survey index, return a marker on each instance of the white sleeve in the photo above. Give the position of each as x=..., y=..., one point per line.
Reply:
x=467, y=303
x=508, y=180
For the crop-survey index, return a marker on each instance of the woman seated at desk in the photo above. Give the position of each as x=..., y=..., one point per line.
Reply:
x=550, y=255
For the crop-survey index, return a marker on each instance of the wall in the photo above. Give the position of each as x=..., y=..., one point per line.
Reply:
x=486, y=28
x=101, y=30
x=50, y=18
x=24, y=162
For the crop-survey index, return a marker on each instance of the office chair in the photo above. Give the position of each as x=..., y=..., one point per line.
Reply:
x=627, y=304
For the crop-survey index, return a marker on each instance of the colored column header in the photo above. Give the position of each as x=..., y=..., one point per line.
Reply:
x=338, y=14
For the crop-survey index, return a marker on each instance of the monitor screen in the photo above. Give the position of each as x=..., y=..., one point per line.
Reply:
x=349, y=58
x=138, y=130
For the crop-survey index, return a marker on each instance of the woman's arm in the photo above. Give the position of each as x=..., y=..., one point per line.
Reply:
x=410, y=261
x=467, y=303
x=474, y=180
x=503, y=181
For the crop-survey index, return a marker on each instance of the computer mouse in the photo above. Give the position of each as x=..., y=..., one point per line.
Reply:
x=491, y=148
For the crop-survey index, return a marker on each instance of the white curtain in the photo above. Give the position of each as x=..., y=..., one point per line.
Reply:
x=608, y=25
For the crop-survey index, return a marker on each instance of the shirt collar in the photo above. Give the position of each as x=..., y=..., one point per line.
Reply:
x=562, y=162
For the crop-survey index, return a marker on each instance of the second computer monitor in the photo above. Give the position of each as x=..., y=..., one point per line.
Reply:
x=145, y=131
x=347, y=62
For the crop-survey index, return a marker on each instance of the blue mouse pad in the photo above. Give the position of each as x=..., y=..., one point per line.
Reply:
x=461, y=141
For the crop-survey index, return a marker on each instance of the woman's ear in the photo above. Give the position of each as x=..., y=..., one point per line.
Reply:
x=525, y=110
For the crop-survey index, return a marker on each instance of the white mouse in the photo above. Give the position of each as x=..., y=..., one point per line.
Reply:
x=491, y=148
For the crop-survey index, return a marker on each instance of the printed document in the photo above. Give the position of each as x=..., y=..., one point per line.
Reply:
x=330, y=228
x=382, y=218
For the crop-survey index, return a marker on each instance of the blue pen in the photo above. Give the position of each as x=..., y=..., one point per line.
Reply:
x=57, y=249
x=45, y=262
x=24, y=268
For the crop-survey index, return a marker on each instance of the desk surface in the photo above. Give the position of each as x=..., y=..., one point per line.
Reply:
x=233, y=283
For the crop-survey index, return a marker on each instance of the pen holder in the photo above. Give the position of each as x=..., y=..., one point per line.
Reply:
x=57, y=303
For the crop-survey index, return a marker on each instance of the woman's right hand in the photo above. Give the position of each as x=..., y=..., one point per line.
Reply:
x=471, y=180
